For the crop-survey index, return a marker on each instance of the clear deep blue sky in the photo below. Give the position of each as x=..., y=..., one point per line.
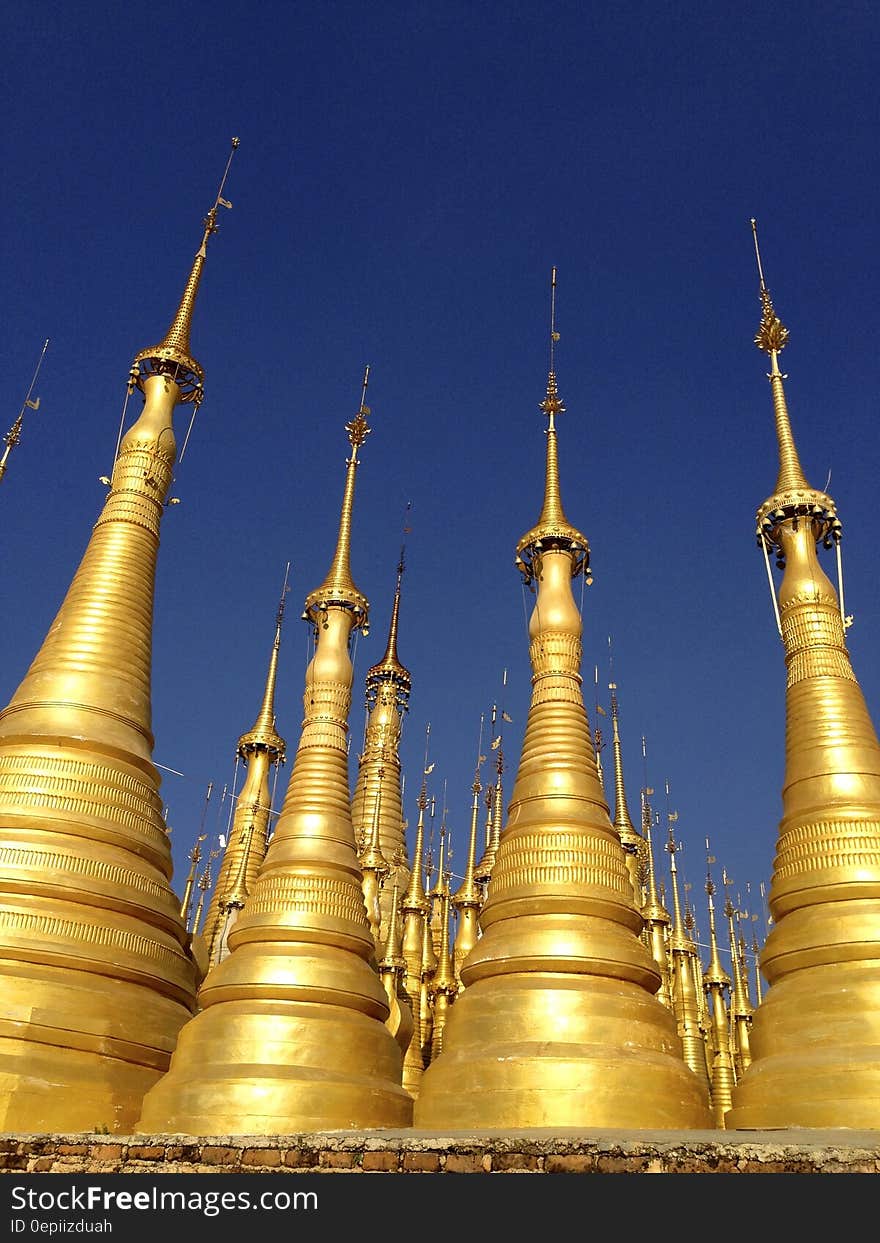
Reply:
x=407, y=177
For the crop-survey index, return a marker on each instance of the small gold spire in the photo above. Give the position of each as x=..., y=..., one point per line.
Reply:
x=172, y=355
x=261, y=748
x=263, y=732
x=338, y=587
x=13, y=436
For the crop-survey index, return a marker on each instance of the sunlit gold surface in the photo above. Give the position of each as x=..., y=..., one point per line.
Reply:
x=415, y=918
x=631, y=841
x=96, y=974
x=815, y=1037
x=291, y=1034
x=686, y=999
x=377, y=803
x=260, y=750
x=716, y=983
x=558, y=1024
x=96, y=971
x=468, y=898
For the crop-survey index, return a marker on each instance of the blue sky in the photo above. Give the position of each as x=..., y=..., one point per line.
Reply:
x=407, y=177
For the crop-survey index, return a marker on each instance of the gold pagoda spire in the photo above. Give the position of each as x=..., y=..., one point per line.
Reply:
x=741, y=1014
x=558, y=1024
x=415, y=911
x=96, y=965
x=483, y=870
x=338, y=589
x=815, y=1036
x=374, y=866
x=716, y=983
x=468, y=898
x=377, y=802
x=172, y=357
x=444, y=986
x=632, y=841
x=260, y=749
x=656, y=917
x=685, y=1000
x=392, y=969
x=293, y=1017
x=13, y=436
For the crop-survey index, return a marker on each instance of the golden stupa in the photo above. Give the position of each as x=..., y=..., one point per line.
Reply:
x=815, y=1036
x=261, y=750
x=558, y=1024
x=291, y=1035
x=376, y=808
x=96, y=973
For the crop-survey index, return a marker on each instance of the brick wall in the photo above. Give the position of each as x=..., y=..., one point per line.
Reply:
x=396, y=1152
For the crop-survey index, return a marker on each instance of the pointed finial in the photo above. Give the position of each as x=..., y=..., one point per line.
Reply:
x=389, y=669
x=793, y=496
x=13, y=436
x=338, y=587
x=772, y=337
x=263, y=732
x=552, y=403
x=172, y=355
x=552, y=530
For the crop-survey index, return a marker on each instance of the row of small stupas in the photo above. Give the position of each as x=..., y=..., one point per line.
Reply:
x=330, y=991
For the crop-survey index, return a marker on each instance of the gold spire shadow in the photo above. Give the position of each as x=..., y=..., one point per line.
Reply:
x=96, y=972
x=291, y=1035
x=815, y=1036
x=558, y=1024
x=260, y=750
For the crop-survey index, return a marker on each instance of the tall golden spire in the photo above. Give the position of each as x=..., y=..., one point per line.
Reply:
x=392, y=969
x=558, y=1024
x=260, y=750
x=631, y=841
x=483, y=870
x=415, y=917
x=657, y=920
x=291, y=1034
x=741, y=1014
x=685, y=1001
x=815, y=1036
x=13, y=436
x=172, y=357
x=95, y=964
x=444, y=986
x=716, y=983
x=468, y=898
x=377, y=802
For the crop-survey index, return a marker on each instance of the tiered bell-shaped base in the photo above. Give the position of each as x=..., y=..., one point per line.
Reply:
x=78, y=1051
x=538, y=1048
x=256, y=1063
x=815, y=1038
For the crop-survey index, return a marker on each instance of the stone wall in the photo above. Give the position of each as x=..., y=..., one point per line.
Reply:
x=420, y=1152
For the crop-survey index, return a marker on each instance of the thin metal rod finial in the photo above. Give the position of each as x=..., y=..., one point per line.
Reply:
x=754, y=224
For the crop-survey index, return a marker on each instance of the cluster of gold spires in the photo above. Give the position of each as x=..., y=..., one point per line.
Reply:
x=327, y=979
